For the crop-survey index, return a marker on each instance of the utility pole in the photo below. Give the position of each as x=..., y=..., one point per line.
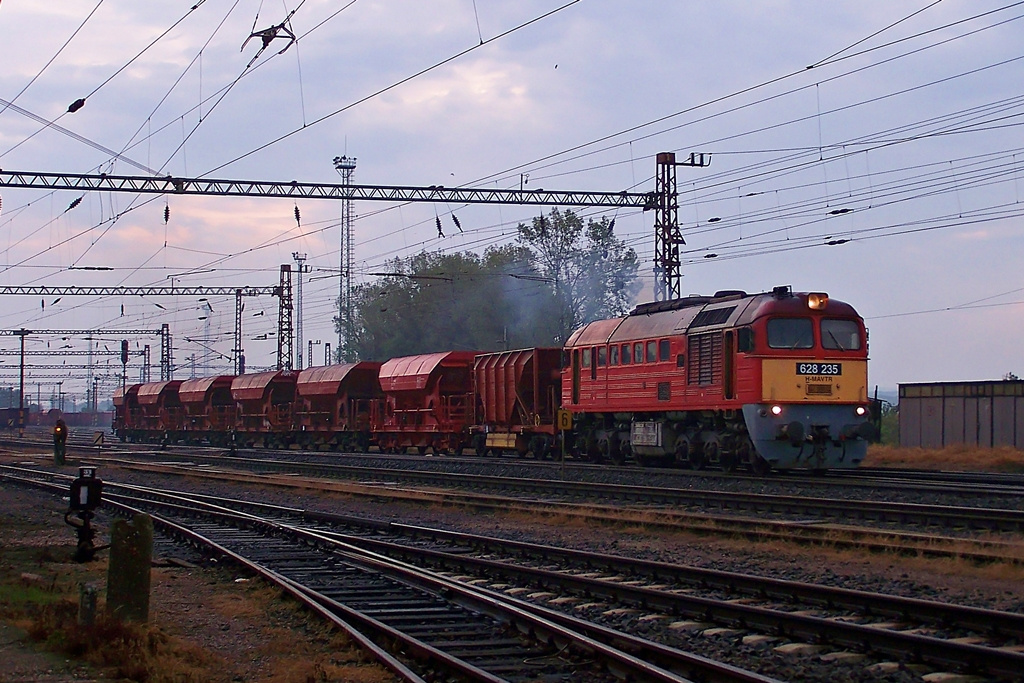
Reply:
x=21, y=385
x=300, y=260
x=346, y=166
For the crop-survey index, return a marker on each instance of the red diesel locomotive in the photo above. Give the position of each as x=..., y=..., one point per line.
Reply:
x=771, y=380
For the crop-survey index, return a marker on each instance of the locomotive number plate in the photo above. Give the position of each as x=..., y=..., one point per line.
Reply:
x=832, y=369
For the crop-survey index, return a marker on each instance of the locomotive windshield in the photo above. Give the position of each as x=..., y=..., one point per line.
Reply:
x=790, y=333
x=843, y=335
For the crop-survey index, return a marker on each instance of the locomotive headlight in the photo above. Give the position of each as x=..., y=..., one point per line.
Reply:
x=817, y=301
x=776, y=410
x=861, y=411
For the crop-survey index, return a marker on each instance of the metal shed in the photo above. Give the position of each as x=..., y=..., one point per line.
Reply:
x=986, y=414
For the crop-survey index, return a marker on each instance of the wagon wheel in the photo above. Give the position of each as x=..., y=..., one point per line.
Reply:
x=422, y=450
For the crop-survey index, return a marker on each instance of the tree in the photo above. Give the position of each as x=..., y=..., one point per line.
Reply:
x=593, y=273
x=438, y=302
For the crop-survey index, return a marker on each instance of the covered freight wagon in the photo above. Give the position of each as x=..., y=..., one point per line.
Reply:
x=208, y=410
x=336, y=404
x=518, y=393
x=160, y=410
x=428, y=402
x=265, y=403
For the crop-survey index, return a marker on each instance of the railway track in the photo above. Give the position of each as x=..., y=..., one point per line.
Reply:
x=937, y=634
x=787, y=506
x=422, y=625
x=649, y=507
x=873, y=480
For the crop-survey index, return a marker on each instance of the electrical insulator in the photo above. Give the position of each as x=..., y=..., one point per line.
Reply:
x=297, y=217
x=167, y=214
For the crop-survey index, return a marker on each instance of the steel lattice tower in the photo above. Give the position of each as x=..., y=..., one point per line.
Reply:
x=346, y=166
x=667, y=237
x=300, y=260
x=285, y=330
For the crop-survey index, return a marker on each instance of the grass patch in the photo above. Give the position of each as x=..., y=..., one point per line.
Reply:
x=958, y=458
x=137, y=652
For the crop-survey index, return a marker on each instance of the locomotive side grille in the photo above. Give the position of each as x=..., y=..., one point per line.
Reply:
x=705, y=365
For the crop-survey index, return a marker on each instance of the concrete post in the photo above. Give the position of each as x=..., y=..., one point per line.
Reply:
x=128, y=579
x=86, y=604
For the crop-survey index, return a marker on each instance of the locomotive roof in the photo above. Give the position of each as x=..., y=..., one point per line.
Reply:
x=326, y=380
x=697, y=314
x=412, y=373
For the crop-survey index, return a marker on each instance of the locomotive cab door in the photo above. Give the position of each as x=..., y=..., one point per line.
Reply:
x=729, y=366
x=575, y=375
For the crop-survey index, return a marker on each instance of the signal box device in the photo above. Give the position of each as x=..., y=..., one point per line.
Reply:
x=86, y=490
x=86, y=495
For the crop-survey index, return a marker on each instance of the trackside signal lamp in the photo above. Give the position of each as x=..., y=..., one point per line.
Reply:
x=817, y=301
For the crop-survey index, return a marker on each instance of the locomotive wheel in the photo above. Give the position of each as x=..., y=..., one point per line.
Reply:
x=729, y=461
x=697, y=458
x=682, y=451
x=758, y=465
x=711, y=452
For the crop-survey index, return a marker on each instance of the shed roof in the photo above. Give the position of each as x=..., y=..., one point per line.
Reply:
x=327, y=380
x=412, y=373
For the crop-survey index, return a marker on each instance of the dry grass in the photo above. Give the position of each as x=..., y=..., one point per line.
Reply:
x=122, y=650
x=962, y=458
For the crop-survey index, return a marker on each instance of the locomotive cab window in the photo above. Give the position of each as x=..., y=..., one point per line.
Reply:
x=627, y=355
x=843, y=335
x=790, y=333
x=652, y=351
x=638, y=352
x=602, y=356
x=664, y=350
x=613, y=355
x=586, y=358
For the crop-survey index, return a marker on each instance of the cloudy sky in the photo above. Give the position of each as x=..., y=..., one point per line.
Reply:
x=891, y=130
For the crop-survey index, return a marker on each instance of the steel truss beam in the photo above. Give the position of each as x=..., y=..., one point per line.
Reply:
x=65, y=352
x=83, y=333
x=297, y=190
x=137, y=291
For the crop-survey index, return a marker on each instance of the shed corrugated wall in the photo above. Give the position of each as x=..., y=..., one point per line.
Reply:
x=986, y=414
